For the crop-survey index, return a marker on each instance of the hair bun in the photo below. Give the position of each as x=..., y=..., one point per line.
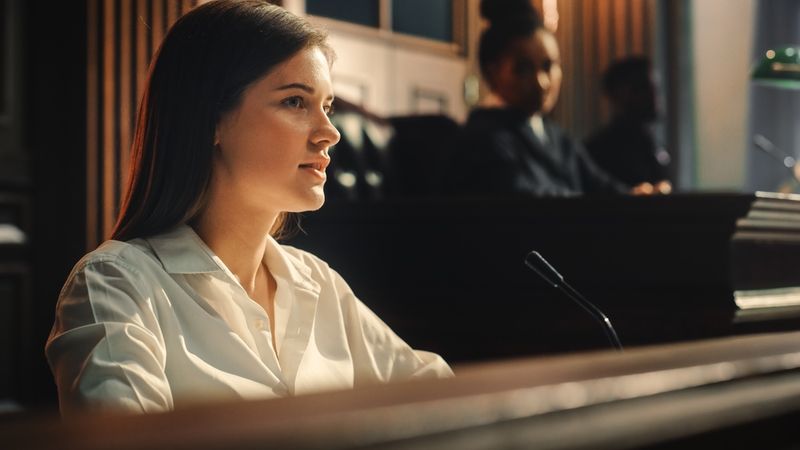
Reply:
x=497, y=11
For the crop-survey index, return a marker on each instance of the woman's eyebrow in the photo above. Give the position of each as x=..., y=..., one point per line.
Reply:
x=300, y=86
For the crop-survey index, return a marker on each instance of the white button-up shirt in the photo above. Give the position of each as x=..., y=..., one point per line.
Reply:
x=157, y=323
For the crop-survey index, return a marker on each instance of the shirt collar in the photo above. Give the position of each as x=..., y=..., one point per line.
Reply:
x=181, y=251
x=283, y=264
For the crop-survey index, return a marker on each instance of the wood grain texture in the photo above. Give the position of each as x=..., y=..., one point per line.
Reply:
x=122, y=37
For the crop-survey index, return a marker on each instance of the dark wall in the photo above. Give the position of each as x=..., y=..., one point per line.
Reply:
x=54, y=73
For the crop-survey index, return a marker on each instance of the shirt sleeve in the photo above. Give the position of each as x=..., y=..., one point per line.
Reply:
x=380, y=355
x=106, y=350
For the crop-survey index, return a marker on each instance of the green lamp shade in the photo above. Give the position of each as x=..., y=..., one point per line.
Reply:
x=779, y=68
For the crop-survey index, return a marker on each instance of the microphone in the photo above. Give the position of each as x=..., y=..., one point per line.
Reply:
x=766, y=146
x=540, y=265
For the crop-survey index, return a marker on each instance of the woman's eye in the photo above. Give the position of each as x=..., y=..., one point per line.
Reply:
x=328, y=110
x=294, y=102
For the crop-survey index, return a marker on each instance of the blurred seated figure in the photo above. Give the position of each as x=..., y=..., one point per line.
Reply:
x=379, y=158
x=626, y=147
x=509, y=145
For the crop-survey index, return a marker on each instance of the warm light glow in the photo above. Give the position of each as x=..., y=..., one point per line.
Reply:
x=787, y=67
x=770, y=54
x=346, y=179
x=550, y=12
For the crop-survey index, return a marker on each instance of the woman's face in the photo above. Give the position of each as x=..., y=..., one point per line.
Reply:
x=272, y=150
x=528, y=76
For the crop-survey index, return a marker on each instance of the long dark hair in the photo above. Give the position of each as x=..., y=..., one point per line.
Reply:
x=508, y=20
x=207, y=60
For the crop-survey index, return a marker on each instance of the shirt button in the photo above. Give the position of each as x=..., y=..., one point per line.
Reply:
x=260, y=324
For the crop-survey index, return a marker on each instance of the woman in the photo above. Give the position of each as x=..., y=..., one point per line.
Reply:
x=193, y=299
x=510, y=146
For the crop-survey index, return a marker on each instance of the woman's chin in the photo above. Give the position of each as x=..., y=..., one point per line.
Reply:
x=312, y=202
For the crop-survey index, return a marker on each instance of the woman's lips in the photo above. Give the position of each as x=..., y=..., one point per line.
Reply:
x=316, y=169
x=316, y=166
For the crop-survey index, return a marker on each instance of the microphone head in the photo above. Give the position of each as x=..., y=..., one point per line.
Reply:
x=763, y=143
x=536, y=261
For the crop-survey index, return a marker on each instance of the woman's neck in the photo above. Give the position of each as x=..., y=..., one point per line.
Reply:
x=238, y=237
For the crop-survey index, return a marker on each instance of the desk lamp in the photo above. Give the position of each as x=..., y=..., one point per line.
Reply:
x=779, y=68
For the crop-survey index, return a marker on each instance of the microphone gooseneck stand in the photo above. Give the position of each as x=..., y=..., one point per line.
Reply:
x=540, y=265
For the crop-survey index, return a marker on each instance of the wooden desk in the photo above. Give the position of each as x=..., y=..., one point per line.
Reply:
x=741, y=392
x=448, y=274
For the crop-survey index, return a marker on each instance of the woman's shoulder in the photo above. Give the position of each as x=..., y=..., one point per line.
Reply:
x=128, y=263
x=131, y=255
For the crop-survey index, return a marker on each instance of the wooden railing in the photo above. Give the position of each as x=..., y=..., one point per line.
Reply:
x=717, y=392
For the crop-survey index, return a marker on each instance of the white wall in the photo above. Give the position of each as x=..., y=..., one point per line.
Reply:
x=722, y=35
x=391, y=79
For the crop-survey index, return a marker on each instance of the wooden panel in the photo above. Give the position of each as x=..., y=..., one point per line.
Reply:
x=570, y=61
x=637, y=26
x=172, y=12
x=122, y=37
x=648, y=34
x=157, y=22
x=142, y=46
x=126, y=103
x=603, y=37
x=619, y=22
x=590, y=55
x=109, y=117
x=92, y=125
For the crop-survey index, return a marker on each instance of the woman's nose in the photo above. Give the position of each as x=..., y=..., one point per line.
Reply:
x=326, y=133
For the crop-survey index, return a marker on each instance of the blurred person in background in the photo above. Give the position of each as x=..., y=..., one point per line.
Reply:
x=509, y=145
x=626, y=147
